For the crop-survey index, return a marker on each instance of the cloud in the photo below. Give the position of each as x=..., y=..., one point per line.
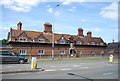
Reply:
x=4, y=28
x=72, y=9
x=67, y=2
x=19, y=5
x=48, y=6
x=110, y=12
x=83, y=20
x=57, y=13
x=50, y=10
x=96, y=29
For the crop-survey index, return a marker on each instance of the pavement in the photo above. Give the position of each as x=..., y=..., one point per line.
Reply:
x=21, y=71
x=23, y=68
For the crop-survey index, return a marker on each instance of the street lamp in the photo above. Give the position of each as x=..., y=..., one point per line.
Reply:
x=53, y=31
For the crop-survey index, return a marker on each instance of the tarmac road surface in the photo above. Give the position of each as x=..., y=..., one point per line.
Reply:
x=77, y=69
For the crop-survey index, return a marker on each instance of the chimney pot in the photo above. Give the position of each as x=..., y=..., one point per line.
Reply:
x=19, y=26
x=89, y=34
x=47, y=27
x=80, y=32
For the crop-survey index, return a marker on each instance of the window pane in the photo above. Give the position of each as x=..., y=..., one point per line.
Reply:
x=79, y=42
x=22, y=39
x=92, y=52
x=101, y=44
x=62, y=52
x=79, y=52
x=102, y=52
x=41, y=40
x=22, y=51
x=40, y=51
x=62, y=42
x=92, y=43
x=5, y=52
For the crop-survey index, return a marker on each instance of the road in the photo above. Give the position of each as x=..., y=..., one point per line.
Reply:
x=77, y=69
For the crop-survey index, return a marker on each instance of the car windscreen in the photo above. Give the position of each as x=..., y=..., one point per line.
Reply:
x=4, y=52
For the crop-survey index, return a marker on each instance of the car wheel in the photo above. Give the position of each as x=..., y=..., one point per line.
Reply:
x=21, y=61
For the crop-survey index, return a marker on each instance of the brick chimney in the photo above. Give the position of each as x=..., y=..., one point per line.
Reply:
x=19, y=26
x=80, y=32
x=48, y=28
x=89, y=34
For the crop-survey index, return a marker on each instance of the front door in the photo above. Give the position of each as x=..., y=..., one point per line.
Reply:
x=72, y=51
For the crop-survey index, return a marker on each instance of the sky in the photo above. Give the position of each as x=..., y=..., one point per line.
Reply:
x=101, y=18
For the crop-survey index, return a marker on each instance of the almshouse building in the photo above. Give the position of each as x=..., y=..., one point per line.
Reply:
x=35, y=42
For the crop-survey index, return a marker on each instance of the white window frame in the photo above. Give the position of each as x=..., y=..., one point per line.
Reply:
x=41, y=40
x=102, y=52
x=79, y=42
x=42, y=52
x=79, y=52
x=62, y=41
x=97, y=43
x=62, y=51
x=23, y=52
x=22, y=39
x=92, y=52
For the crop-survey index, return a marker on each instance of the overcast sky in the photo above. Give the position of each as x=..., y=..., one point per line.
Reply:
x=98, y=17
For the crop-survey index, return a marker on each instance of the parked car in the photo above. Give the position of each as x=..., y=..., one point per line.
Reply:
x=11, y=56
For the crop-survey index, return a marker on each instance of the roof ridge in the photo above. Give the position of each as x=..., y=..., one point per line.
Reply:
x=28, y=31
x=64, y=34
x=41, y=32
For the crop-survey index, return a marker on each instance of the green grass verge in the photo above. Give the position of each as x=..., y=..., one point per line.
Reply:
x=69, y=59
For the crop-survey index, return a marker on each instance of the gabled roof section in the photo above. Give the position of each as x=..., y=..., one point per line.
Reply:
x=97, y=39
x=23, y=33
x=79, y=39
x=41, y=36
x=31, y=34
x=62, y=37
x=36, y=34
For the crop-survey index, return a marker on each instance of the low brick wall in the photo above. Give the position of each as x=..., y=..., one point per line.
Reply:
x=48, y=56
x=6, y=48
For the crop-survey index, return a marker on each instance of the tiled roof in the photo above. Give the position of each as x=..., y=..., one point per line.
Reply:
x=113, y=43
x=35, y=34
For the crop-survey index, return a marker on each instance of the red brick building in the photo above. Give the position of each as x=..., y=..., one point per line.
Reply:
x=113, y=48
x=35, y=42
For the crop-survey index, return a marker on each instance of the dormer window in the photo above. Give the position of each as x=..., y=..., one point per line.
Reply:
x=92, y=43
x=79, y=42
x=101, y=43
x=62, y=42
x=41, y=40
x=23, y=39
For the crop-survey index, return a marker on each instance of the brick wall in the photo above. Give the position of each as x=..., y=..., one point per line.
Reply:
x=33, y=48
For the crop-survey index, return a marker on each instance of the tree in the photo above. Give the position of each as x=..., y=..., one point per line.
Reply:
x=4, y=41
